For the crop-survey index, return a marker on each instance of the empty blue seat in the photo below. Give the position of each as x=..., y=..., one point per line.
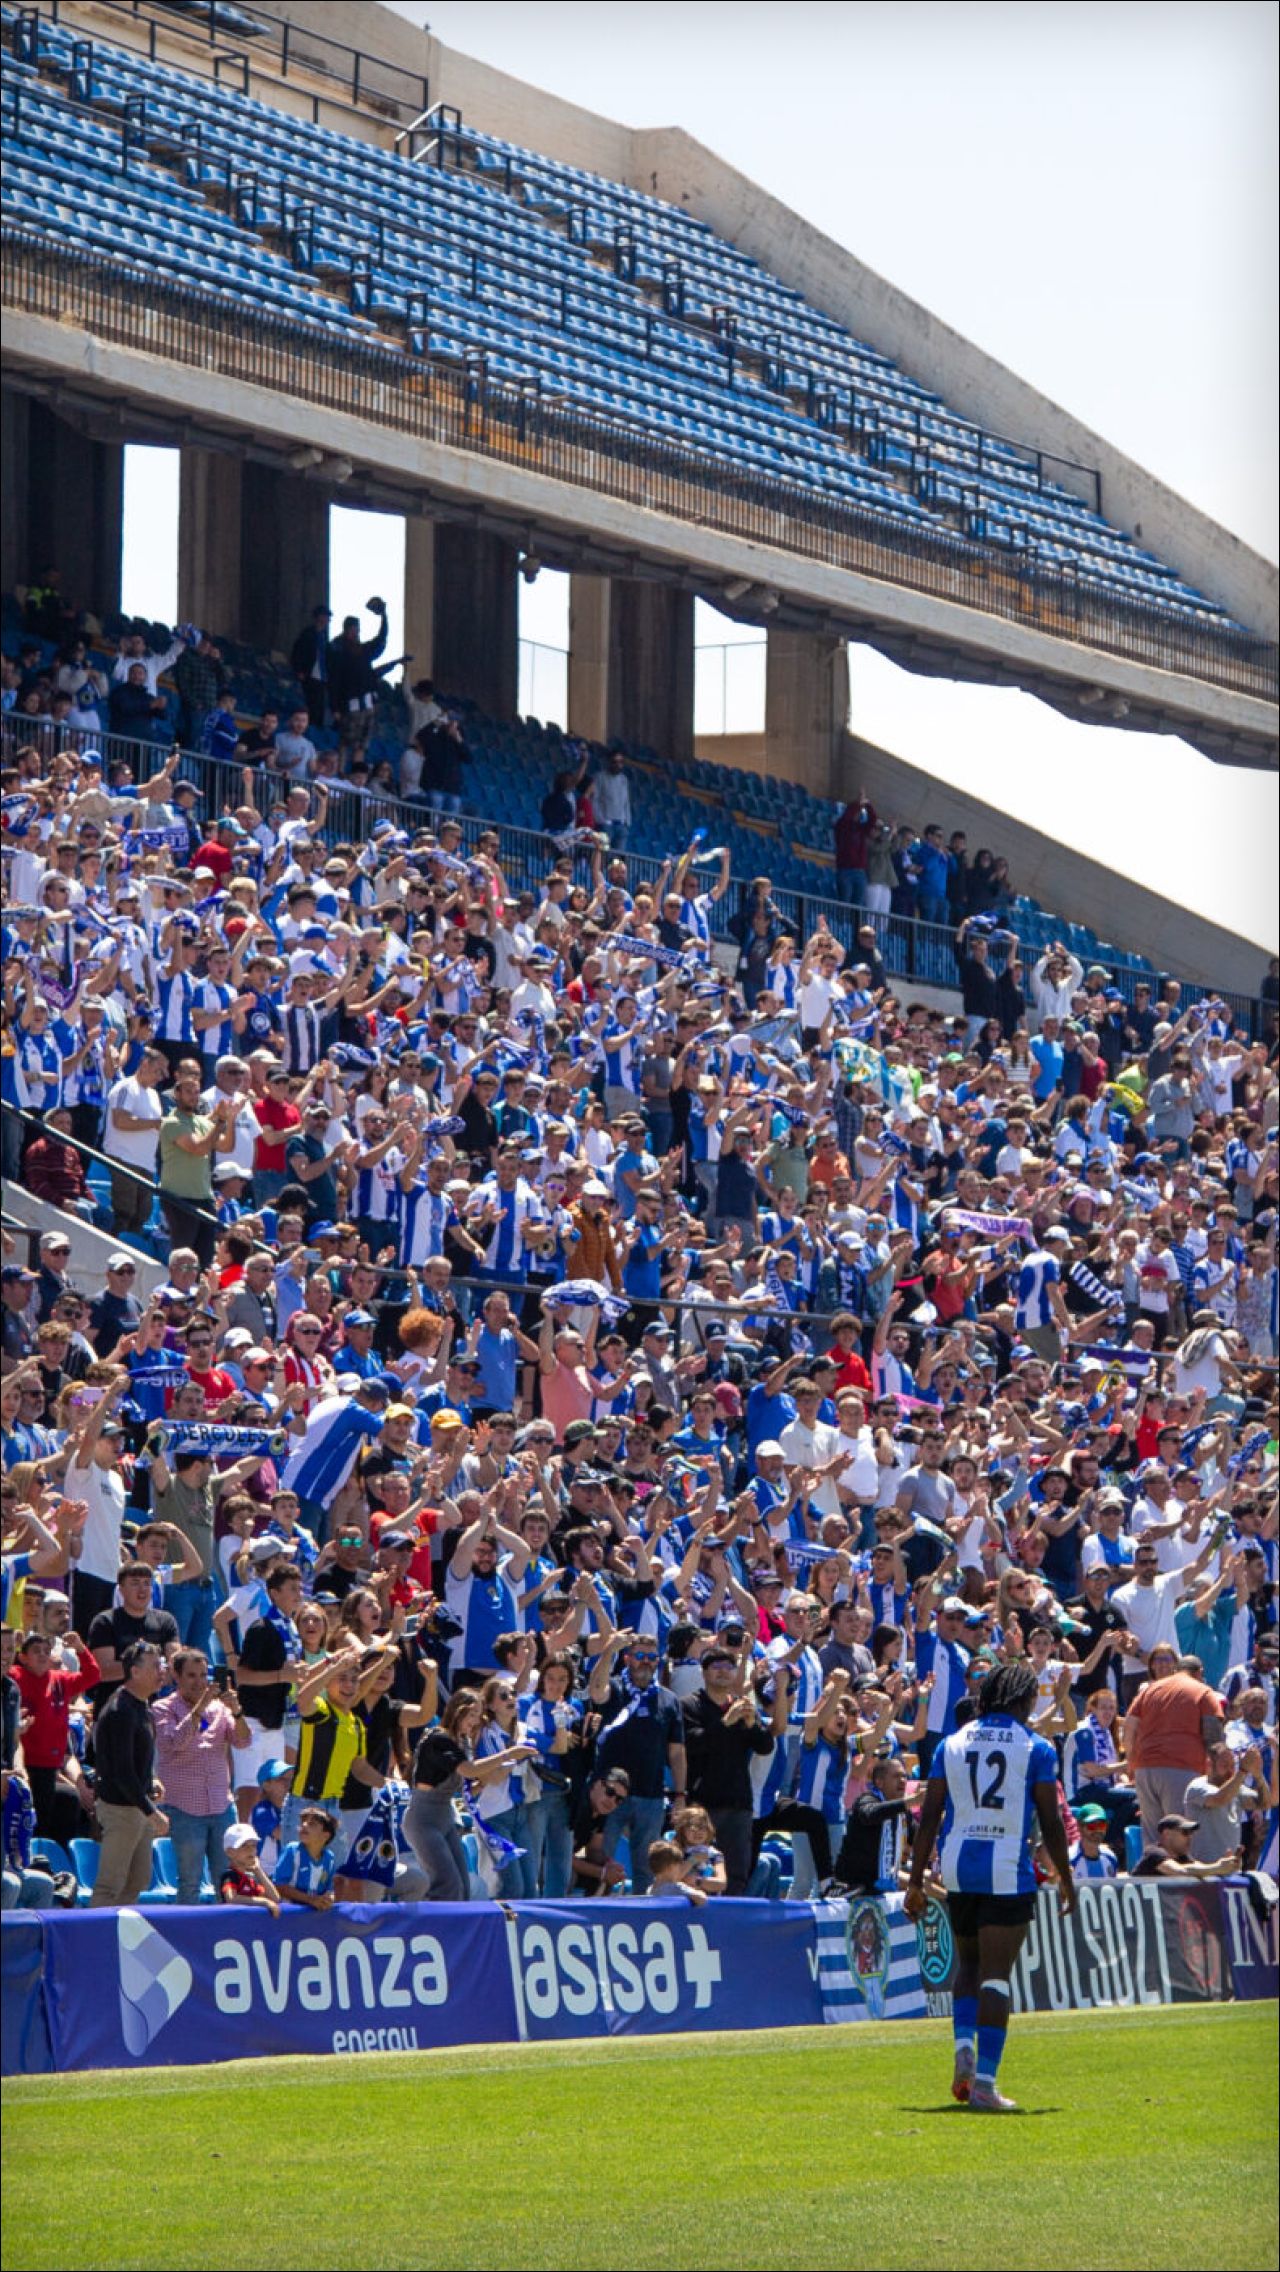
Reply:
x=86, y=1854
x=164, y=1874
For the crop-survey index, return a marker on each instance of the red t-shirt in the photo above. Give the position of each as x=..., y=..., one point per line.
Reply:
x=215, y=1386
x=215, y=856
x=49, y=1700
x=282, y=1117
x=237, y=1884
x=852, y=1373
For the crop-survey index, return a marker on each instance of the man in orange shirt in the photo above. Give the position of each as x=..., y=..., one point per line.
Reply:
x=827, y=1160
x=1168, y=1732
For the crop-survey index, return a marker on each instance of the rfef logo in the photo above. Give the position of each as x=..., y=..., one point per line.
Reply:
x=935, y=1945
x=154, y=1981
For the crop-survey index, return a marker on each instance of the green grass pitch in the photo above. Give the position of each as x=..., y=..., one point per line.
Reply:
x=1148, y=2139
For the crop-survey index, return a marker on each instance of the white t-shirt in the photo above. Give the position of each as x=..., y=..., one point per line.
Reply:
x=1218, y=1075
x=102, y=1490
x=1152, y=1266
x=816, y=997
x=1206, y=1373
x=813, y=1447
x=862, y=1475
x=247, y=1126
x=136, y=1147
x=1148, y=1610
x=892, y=1475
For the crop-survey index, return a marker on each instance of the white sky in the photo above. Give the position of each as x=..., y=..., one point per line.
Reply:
x=1086, y=190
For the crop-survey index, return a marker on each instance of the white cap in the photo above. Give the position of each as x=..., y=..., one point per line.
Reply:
x=770, y=1450
x=238, y=1834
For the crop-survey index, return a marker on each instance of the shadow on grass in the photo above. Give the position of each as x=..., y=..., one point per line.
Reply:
x=1024, y=2113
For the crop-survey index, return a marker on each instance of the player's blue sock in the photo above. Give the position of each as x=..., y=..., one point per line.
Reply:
x=964, y=2022
x=990, y=2051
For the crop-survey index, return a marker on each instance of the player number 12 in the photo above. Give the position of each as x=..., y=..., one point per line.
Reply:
x=999, y=1767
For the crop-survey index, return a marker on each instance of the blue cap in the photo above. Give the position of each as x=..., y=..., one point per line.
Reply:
x=272, y=1769
x=322, y=1231
x=359, y=1317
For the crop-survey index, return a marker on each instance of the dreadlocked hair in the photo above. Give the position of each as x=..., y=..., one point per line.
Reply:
x=1010, y=1689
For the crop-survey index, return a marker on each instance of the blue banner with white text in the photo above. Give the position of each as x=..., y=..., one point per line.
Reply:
x=183, y=1987
x=186, y=1987
x=655, y=1966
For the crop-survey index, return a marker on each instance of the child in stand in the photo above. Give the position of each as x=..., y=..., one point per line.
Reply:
x=693, y=1835
x=275, y=1780
x=244, y=1881
x=666, y=1867
x=306, y=1869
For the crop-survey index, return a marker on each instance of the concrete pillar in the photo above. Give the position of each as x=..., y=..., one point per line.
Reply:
x=476, y=644
x=420, y=593
x=806, y=709
x=651, y=667
x=15, y=489
x=75, y=509
x=284, y=555
x=210, y=503
x=589, y=598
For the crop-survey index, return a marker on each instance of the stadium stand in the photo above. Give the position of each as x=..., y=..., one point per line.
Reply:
x=769, y=827
x=250, y=1033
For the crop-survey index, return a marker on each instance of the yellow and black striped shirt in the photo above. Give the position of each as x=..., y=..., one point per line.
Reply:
x=330, y=1739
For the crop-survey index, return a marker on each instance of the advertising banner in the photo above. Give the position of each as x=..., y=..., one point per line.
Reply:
x=1250, y=1917
x=657, y=1966
x=183, y=1987
x=1129, y=1941
x=27, y=2049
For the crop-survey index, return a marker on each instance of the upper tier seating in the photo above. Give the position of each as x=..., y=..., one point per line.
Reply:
x=610, y=299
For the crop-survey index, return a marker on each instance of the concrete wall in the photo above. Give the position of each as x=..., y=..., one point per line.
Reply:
x=806, y=706
x=15, y=487
x=475, y=617
x=1109, y=901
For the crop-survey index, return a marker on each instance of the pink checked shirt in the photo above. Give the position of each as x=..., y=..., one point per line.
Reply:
x=193, y=1754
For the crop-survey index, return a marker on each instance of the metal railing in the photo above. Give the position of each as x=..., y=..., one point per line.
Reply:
x=912, y=952
x=410, y=393
x=249, y=37
x=34, y=1125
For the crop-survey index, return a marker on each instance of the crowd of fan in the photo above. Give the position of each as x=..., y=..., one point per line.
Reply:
x=625, y=1387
